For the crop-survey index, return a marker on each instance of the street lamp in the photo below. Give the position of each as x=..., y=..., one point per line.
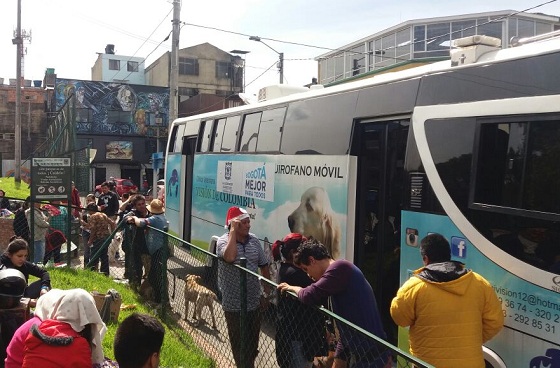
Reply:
x=236, y=66
x=280, y=56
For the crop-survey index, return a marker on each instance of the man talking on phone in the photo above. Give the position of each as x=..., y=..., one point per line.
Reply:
x=236, y=243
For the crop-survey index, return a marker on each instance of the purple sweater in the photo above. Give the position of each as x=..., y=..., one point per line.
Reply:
x=352, y=299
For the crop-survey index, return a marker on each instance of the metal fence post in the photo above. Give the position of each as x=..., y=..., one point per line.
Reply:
x=244, y=324
x=164, y=258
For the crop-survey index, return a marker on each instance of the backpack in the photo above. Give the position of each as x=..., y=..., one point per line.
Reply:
x=54, y=239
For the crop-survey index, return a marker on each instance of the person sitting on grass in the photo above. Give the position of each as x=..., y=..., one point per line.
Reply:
x=70, y=311
x=138, y=341
x=15, y=256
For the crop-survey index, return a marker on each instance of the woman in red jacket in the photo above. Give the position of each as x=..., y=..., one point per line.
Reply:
x=69, y=335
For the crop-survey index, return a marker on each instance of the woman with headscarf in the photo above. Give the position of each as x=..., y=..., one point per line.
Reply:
x=70, y=314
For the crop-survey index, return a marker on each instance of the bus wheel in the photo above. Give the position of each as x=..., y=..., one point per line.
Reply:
x=491, y=359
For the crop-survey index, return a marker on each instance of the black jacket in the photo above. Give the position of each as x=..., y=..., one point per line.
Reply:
x=27, y=269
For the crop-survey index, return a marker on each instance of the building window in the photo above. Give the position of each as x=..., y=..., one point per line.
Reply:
x=185, y=91
x=438, y=39
x=223, y=93
x=355, y=61
x=114, y=64
x=223, y=69
x=131, y=66
x=188, y=66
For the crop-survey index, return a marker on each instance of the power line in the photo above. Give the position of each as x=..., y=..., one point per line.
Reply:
x=117, y=29
x=363, y=53
x=260, y=75
x=233, y=94
x=262, y=38
x=143, y=43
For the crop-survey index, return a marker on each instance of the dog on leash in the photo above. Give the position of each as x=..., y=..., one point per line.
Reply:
x=200, y=296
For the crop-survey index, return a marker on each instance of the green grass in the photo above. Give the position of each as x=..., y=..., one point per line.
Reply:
x=178, y=347
x=14, y=190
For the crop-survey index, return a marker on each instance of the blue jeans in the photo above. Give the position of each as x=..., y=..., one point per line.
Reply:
x=38, y=251
x=103, y=257
x=298, y=360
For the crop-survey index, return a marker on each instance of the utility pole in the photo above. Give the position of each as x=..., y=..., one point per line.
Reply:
x=174, y=68
x=281, y=67
x=173, y=85
x=18, y=41
x=280, y=63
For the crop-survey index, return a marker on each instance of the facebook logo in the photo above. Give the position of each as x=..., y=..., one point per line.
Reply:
x=458, y=247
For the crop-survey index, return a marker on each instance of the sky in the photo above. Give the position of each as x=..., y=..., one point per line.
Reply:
x=67, y=34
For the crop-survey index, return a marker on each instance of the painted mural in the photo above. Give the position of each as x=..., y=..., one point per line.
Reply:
x=116, y=108
x=121, y=150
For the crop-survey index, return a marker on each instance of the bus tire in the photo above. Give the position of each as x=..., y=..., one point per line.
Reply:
x=492, y=359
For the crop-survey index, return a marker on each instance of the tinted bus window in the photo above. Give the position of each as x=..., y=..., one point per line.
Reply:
x=173, y=138
x=250, y=131
x=451, y=145
x=321, y=125
x=270, y=130
x=192, y=127
x=230, y=134
x=517, y=167
x=178, y=139
x=206, y=135
x=218, y=135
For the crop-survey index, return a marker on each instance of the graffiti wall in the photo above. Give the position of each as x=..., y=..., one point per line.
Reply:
x=116, y=108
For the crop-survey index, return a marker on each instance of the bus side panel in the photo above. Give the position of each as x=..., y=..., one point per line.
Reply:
x=532, y=313
x=174, y=187
x=282, y=193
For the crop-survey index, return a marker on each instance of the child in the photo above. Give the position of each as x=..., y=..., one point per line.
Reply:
x=91, y=208
x=100, y=226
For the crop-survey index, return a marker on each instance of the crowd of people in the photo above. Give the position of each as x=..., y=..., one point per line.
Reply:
x=44, y=226
x=65, y=328
x=428, y=303
x=308, y=277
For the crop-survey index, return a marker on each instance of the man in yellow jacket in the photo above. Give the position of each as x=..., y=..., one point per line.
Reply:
x=451, y=310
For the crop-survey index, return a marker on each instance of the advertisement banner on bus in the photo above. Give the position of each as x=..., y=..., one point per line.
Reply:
x=282, y=193
x=173, y=190
x=532, y=313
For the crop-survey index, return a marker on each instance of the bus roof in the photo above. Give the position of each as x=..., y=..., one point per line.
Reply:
x=541, y=44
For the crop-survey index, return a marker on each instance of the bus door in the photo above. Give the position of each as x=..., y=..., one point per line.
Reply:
x=380, y=147
x=189, y=147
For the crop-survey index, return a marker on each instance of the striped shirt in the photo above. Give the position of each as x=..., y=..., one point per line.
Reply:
x=229, y=276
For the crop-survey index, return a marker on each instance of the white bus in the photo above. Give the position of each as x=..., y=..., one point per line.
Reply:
x=469, y=148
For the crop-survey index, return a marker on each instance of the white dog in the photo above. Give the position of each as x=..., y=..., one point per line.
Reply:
x=315, y=217
x=115, y=246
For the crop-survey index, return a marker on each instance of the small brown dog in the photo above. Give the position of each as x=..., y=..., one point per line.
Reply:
x=200, y=296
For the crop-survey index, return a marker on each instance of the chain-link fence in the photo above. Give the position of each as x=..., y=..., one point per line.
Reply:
x=229, y=313
x=228, y=310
